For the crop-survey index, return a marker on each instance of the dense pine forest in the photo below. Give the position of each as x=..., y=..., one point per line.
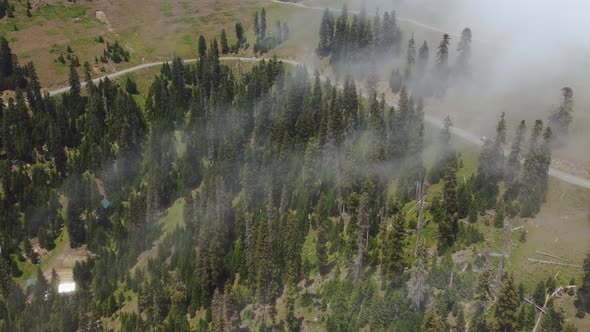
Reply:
x=298, y=195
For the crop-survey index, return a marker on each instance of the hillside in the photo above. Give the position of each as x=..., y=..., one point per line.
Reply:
x=268, y=166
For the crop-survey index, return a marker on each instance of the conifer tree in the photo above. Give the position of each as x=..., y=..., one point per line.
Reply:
x=490, y=167
x=321, y=215
x=224, y=42
x=561, y=119
x=442, y=54
x=339, y=40
x=446, y=158
x=326, y=33
x=377, y=31
x=553, y=320
x=410, y=58
x=392, y=35
x=583, y=294
x=535, y=173
x=74, y=80
x=540, y=293
x=256, y=25
x=3, y=7
x=263, y=25
x=515, y=155
x=240, y=34
x=442, y=65
x=361, y=236
x=449, y=225
x=291, y=321
x=394, y=249
x=423, y=57
x=433, y=322
x=202, y=46
x=507, y=306
x=395, y=81
x=464, y=49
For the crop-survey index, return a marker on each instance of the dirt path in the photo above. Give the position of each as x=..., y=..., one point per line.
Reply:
x=62, y=261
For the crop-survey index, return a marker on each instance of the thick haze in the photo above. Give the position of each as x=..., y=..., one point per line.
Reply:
x=524, y=52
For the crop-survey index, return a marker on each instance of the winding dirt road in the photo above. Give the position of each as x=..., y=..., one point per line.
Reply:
x=461, y=133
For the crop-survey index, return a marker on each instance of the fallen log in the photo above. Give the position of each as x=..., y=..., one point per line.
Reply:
x=539, y=261
x=533, y=303
x=553, y=256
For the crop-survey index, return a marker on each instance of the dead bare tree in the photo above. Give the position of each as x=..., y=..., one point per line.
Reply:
x=548, y=297
x=417, y=287
x=539, y=261
x=420, y=196
x=501, y=266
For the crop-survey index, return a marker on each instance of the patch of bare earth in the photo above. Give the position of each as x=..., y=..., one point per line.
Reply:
x=64, y=261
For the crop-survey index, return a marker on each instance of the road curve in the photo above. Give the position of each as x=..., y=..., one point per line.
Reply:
x=159, y=63
x=461, y=133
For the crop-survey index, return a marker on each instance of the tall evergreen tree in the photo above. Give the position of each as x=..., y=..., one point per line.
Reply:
x=449, y=225
x=553, y=320
x=515, y=155
x=442, y=65
x=240, y=34
x=202, y=46
x=490, y=169
x=394, y=249
x=74, y=80
x=535, y=171
x=256, y=25
x=321, y=215
x=6, y=59
x=446, y=158
x=263, y=25
x=583, y=294
x=507, y=306
x=433, y=322
x=561, y=119
x=224, y=42
x=410, y=58
x=464, y=49
x=442, y=54
x=423, y=57
x=326, y=33
x=361, y=236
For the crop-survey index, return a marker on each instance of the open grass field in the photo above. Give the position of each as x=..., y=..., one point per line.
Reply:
x=150, y=30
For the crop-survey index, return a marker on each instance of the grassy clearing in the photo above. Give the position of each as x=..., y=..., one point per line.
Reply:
x=173, y=217
x=562, y=228
x=173, y=29
x=61, y=12
x=29, y=269
x=167, y=8
x=50, y=32
x=87, y=22
x=308, y=252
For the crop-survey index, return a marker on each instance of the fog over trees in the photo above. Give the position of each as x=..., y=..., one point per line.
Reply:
x=226, y=196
